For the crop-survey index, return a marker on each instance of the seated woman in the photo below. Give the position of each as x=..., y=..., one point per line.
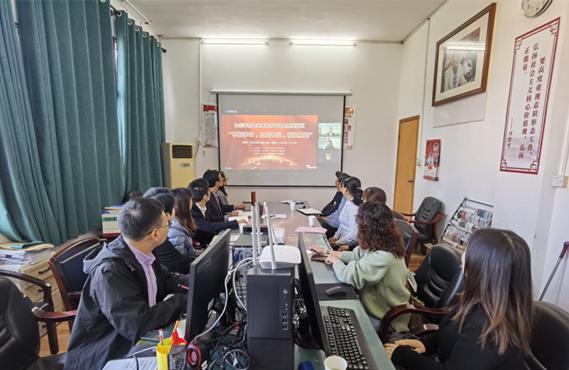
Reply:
x=167, y=254
x=348, y=228
x=490, y=328
x=183, y=226
x=377, y=266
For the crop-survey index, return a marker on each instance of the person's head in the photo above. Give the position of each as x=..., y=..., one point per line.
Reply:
x=143, y=220
x=213, y=178
x=200, y=191
x=164, y=196
x=330, y=130
x=133, y=194
x=497, y=275
x=339, y=177
x=183, y=201
x=377, y=230
x=374, y=194
x=224, y=180
x=350, y=187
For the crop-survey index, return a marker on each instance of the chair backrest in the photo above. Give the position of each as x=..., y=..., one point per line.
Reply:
x=19, y=332
x=67, y=268
x=549, y=338
x=427, y=211
x=398, y=216
x=410, y=235
x=440, y=277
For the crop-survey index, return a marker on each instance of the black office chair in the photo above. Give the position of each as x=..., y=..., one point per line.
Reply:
x=439, y=279
x=67, y=268
x=410, y=235
x=549, y=338
x=19, y=332
x=425, y=220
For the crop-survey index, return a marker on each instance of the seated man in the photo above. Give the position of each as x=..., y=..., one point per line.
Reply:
x=123, y=297
x=206, y=229
x=331, y=221
x=216, y=211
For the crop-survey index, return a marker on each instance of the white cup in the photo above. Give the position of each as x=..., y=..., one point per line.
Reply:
x=181, y=328
x=335, y=363
x=241, y=228
x=312, y=220
x=292, y=206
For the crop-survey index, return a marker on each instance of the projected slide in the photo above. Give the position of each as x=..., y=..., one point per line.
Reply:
x=269, y=142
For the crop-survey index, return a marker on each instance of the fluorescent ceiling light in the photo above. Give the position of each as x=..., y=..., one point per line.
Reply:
x=323, y=42
x=235, y=41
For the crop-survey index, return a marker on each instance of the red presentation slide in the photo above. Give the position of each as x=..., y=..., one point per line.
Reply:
x=269, y=142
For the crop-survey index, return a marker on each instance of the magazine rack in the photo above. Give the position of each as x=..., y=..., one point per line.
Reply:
x=469, y=216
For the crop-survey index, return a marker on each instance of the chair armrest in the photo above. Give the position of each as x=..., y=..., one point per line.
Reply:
x=408, y=214
x=74, y=295
x=432, y=222
x=45, y=316
x=407, y=308
x=424, y=329
x=44, y=286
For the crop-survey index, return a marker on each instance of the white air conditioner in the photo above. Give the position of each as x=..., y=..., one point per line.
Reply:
x=178, y=167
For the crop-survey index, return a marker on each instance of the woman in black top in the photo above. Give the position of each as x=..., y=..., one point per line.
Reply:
x=490, y=328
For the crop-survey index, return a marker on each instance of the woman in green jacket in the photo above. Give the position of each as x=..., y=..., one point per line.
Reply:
x=377, y=266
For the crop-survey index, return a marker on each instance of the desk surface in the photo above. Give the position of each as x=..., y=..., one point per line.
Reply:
x=324, y=274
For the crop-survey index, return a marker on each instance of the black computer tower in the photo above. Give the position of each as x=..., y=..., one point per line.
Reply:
x=270, y=305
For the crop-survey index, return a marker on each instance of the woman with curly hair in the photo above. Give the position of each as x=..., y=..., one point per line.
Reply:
x=377, y=266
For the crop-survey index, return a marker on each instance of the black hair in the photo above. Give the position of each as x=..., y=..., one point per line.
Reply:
x=211, y=176
x=162, y=195
x=353, y=185
x=222, y=188
x=138, y=217
x=133, y=194
x=199, y=189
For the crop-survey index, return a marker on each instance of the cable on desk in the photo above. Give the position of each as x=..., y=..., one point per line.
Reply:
x=133, y=355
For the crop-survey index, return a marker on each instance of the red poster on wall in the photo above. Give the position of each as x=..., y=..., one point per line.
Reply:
x=432, y=157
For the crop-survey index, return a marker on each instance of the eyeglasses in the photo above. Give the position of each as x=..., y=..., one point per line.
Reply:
x=168, y=225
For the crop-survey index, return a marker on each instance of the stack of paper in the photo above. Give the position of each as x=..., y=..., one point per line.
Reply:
x=24, y=253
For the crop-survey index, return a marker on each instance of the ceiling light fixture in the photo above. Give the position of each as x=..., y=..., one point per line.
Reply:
x=235, y=41
x=323, y=42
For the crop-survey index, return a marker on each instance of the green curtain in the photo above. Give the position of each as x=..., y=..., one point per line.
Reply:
x=140, y=104
x=65, y=127
x=24, y=213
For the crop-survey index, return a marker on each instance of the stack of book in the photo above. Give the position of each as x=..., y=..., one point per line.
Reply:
x=24, y=253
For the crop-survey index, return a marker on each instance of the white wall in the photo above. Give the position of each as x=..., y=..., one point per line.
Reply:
x=371, y=70
x=470, y=154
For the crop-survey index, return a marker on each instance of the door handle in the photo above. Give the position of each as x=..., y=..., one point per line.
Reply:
x=410, y=180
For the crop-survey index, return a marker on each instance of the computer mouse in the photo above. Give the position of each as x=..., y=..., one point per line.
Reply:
x=336, y=291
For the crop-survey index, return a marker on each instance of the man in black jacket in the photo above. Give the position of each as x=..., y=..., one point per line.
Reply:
x=206, y=229
x=123, y=297
x=217, y=212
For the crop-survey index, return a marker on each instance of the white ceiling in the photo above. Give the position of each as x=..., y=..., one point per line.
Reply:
x=371, y=20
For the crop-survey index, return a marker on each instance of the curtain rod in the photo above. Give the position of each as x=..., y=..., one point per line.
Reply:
x=116, y=11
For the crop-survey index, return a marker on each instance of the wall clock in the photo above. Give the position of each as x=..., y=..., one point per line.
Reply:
x=535, y=8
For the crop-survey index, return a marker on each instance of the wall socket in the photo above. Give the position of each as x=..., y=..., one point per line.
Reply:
x=559, y=181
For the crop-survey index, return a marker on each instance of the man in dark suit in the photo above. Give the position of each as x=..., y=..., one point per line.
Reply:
x=216, y=211
x=206, y=229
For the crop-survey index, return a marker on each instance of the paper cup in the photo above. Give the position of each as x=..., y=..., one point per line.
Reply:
x=292, y=206
x=334, y=363
x=162, y=356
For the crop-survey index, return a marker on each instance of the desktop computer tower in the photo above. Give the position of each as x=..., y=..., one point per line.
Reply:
x=270, y=305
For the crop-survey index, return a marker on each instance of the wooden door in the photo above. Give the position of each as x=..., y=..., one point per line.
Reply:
x=406, y=164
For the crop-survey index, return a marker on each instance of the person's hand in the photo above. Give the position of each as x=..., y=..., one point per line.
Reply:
x=242, y=222
x=331, y=259
x=321, y=218
x=417, y=345
x=233, y=213
x=318, y=250
x=241, y=206
x=389, y=348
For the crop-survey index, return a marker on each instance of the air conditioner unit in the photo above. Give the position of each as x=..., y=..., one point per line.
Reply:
x=178, y=165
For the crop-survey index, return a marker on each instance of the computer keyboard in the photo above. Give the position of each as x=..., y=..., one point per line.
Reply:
x=346, y=338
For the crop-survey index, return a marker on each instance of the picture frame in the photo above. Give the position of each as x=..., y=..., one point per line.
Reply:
x=462, y=59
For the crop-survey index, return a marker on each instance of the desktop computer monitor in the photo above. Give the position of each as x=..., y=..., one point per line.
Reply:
x=207, y=281
x=310, y=296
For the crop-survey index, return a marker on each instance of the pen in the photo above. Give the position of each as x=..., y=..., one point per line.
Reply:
x=176, y=325
x=161, y=336
x=183, y=286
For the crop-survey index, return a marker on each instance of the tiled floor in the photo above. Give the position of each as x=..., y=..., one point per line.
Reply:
x=63, y=328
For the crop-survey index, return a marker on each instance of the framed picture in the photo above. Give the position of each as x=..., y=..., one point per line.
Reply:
x=463, y=57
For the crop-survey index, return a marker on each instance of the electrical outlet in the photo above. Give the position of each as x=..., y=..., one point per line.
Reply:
x=559, y=181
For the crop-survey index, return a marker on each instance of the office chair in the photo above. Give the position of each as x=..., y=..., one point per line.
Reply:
x=425, y=220
x=439, y=279
x=19, y=332
x=67, y=268
x=549, y=336
x=410, y=235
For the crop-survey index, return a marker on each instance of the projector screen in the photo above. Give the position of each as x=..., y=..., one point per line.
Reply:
x=280, y=140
